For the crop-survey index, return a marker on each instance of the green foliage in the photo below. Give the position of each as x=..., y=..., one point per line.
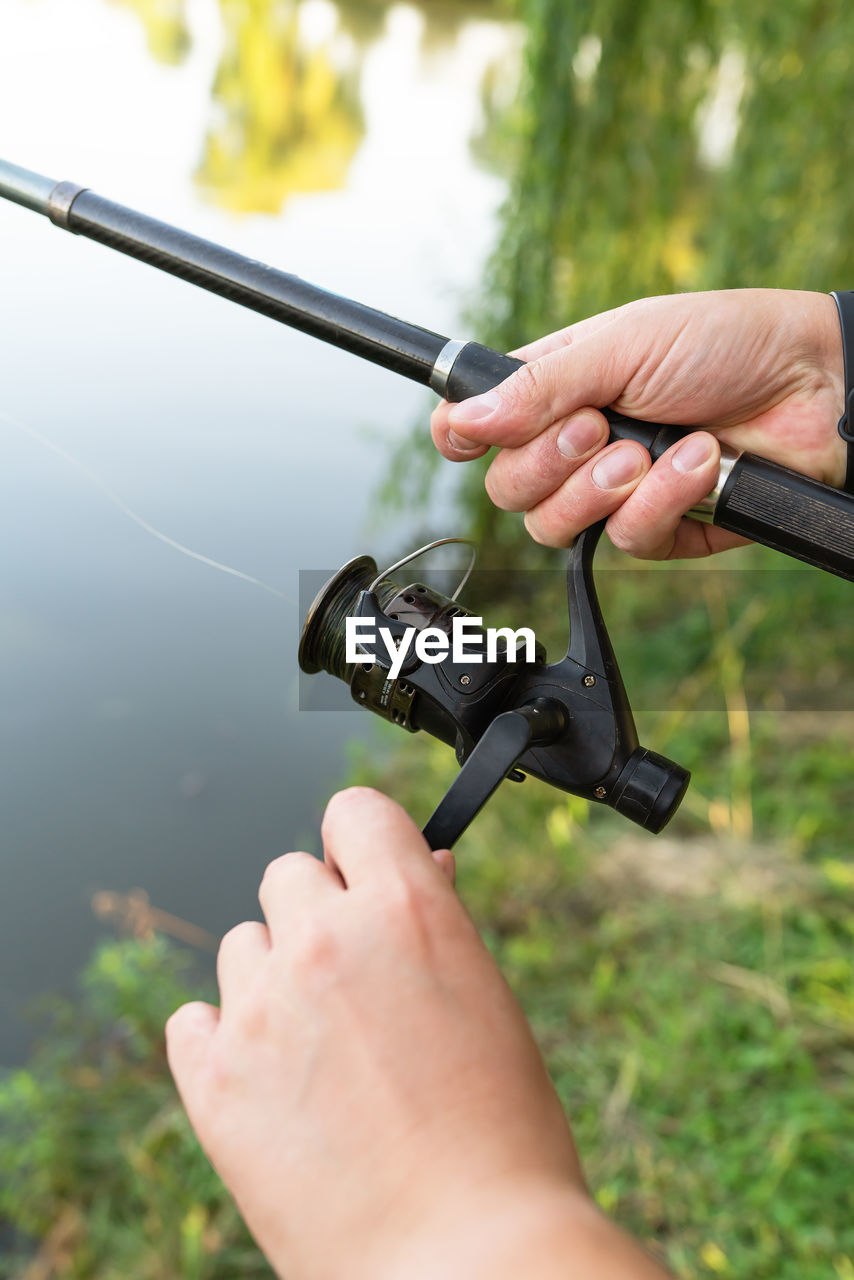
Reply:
x=100, y=1166
x=674, y=146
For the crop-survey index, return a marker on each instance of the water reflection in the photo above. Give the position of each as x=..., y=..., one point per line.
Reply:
x=287, y=112
x=287, y=115
x=166, y=28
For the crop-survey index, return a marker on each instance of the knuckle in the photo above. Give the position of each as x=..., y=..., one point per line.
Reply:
x=642, y=536
x=350, y=797
x=402, y=901
x=536, y=531
x=339, y=804
x=272, y=871
x=550, y=530
x=236, y=935
x=178, y=1023
x=315, y=950
x=218, y=1077
x=630, y=310
x=622, y=538
x=439, y=432
x=284, y=865
x=528, y=387
x=499, y=486
x=254, y=1013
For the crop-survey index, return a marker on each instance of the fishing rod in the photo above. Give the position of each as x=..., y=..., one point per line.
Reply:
x=506, y=711
x=754, y=497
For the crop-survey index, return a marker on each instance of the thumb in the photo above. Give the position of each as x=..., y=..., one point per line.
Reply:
x=590, y=371
x=446, y=862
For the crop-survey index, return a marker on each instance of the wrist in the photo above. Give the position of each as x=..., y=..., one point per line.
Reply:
x=830, y=353
x=547, y=1231
x=826, y=364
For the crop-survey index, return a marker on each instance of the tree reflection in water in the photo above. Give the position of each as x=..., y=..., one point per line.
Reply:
x=287, y=114
x=166, y=29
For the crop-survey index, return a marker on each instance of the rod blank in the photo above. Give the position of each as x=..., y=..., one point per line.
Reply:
x=373, y=335
x=24, y=187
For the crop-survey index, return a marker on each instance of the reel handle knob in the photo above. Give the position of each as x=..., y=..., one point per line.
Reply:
x=649, y=789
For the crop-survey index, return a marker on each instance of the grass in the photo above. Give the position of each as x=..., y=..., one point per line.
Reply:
x=102, y=1176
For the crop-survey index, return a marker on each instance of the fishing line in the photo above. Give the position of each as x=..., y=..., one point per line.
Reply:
x=132, y=515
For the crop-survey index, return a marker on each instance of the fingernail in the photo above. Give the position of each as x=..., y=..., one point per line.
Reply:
x=476, y=408
x=579, y=436
x=459, y=442
x=692, y=454
x=617, y=468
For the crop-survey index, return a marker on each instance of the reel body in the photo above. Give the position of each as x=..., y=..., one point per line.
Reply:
x=567, y=723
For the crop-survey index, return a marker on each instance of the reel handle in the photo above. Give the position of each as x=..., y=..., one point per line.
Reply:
x=506, y=739
x=753, y=497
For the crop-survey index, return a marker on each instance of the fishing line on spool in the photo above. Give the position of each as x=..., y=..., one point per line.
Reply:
x=338, y=601
x=131, y=514
x=333, y=640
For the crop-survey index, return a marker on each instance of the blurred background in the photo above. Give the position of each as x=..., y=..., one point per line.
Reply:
x=495, y=169
x=151, y=734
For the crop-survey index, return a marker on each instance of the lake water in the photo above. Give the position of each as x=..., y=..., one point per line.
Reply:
x=150, y=735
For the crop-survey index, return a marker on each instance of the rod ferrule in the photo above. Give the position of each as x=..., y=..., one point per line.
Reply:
x=59, y=203
x=705, y=508
x=445, y=362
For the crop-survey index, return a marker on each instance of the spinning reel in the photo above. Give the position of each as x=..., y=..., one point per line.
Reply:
x=568, y=723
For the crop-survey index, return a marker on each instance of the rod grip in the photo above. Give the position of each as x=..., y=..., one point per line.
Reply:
x=477, y=369
x=790, y=513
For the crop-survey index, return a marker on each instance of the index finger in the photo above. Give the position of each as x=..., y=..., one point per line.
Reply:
x=365, y=835
x=450, y=444
x=564, y=337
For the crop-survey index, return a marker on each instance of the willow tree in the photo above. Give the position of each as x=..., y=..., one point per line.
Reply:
x=682, y=145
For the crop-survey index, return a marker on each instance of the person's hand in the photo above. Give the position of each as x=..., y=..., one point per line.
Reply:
x=759, y=369
x=370, y=1091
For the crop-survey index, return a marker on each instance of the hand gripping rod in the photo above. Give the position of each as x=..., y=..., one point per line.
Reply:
x=753, y=497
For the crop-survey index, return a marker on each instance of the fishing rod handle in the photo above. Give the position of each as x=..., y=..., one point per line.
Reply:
x=753, y=497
